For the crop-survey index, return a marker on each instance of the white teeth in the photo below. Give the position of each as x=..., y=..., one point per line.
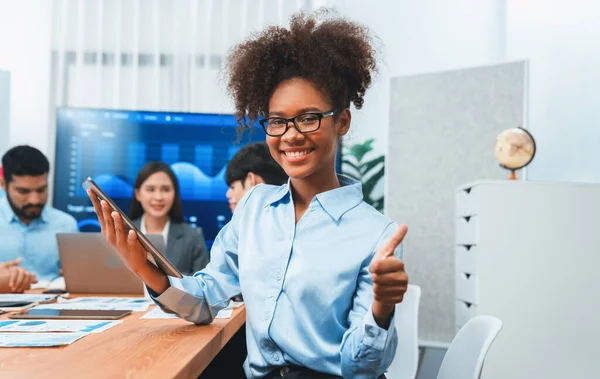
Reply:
x=295, y=154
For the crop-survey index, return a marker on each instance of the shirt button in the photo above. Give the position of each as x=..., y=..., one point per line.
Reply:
x=284, y=370
x=370, y=332
x=276, y=357
x=266, y=316
x=279, y=278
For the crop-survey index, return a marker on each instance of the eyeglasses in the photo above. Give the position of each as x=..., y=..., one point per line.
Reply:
x=304, y=123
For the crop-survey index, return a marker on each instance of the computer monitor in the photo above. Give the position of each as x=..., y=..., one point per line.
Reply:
x=111, y=146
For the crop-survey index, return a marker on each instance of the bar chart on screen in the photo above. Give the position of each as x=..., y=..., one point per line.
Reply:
x=111, y=146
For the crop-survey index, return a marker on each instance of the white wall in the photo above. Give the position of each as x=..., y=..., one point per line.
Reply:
x=4, y=110
x=418, y=37
x=25, y=37
x=561, y=38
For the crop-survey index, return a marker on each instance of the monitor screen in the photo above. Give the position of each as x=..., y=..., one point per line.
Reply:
x=111, y=146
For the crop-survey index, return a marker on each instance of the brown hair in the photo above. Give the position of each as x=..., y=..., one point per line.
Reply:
x=335, y=54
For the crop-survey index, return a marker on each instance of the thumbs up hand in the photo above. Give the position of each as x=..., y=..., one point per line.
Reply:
x=389, y=278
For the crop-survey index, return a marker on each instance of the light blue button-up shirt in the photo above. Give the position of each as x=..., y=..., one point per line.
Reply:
x=34, y=243
x=307, y=286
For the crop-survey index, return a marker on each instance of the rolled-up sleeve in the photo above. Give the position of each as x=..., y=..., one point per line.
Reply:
x=200, y=297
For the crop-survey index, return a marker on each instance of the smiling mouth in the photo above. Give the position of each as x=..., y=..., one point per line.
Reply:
x=296, y=154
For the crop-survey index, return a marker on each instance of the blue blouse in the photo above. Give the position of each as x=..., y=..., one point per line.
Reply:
x=306, y=286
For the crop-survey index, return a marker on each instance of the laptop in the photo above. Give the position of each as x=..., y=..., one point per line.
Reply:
x=91, y=265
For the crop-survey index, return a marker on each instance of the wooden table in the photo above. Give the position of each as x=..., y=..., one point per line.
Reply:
x=136, y=348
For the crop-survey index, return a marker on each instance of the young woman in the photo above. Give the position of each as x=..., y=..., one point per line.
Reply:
x=156, y=209
x=319, y=269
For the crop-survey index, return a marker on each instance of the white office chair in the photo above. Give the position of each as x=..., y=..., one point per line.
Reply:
x=406, y=361
x=465, y=356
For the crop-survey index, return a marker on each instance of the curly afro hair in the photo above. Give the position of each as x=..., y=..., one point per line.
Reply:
x=335, y=54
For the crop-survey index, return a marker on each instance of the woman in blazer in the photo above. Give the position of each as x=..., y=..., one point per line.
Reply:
x=156, y=209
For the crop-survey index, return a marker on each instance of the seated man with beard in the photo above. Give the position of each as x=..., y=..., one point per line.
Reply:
x=28, y=226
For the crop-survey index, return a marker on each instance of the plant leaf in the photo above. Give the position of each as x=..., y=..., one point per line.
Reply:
x=359, y=150
x=371, y=182
x=351, y=164
x=368, y=166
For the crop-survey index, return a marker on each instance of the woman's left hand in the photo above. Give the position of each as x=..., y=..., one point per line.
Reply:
x=390, y=281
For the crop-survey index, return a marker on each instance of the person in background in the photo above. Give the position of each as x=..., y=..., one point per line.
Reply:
x=156, y=209
x=15, y=279
x=251, y=165
x=28, y=226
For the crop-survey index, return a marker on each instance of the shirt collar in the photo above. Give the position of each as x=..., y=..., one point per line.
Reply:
x=335, y=202
x=279, y=193
x=44, y=216
x=6, y=212
x=9, y=215
x=165, y=231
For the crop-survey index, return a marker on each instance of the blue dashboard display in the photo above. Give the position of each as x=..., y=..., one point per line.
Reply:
x=111, y=146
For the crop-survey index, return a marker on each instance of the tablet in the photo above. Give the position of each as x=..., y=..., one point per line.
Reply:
x=154, y=255
x=9, y=306
x=70, y=314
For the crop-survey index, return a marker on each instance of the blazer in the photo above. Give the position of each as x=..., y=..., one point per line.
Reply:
x=186, y=248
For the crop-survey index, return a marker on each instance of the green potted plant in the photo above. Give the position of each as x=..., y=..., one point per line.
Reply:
x=368, y=172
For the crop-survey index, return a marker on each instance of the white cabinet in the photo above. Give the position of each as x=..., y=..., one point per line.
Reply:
x=529, y=254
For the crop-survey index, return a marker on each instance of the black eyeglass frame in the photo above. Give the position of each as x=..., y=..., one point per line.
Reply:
x=320, y=116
